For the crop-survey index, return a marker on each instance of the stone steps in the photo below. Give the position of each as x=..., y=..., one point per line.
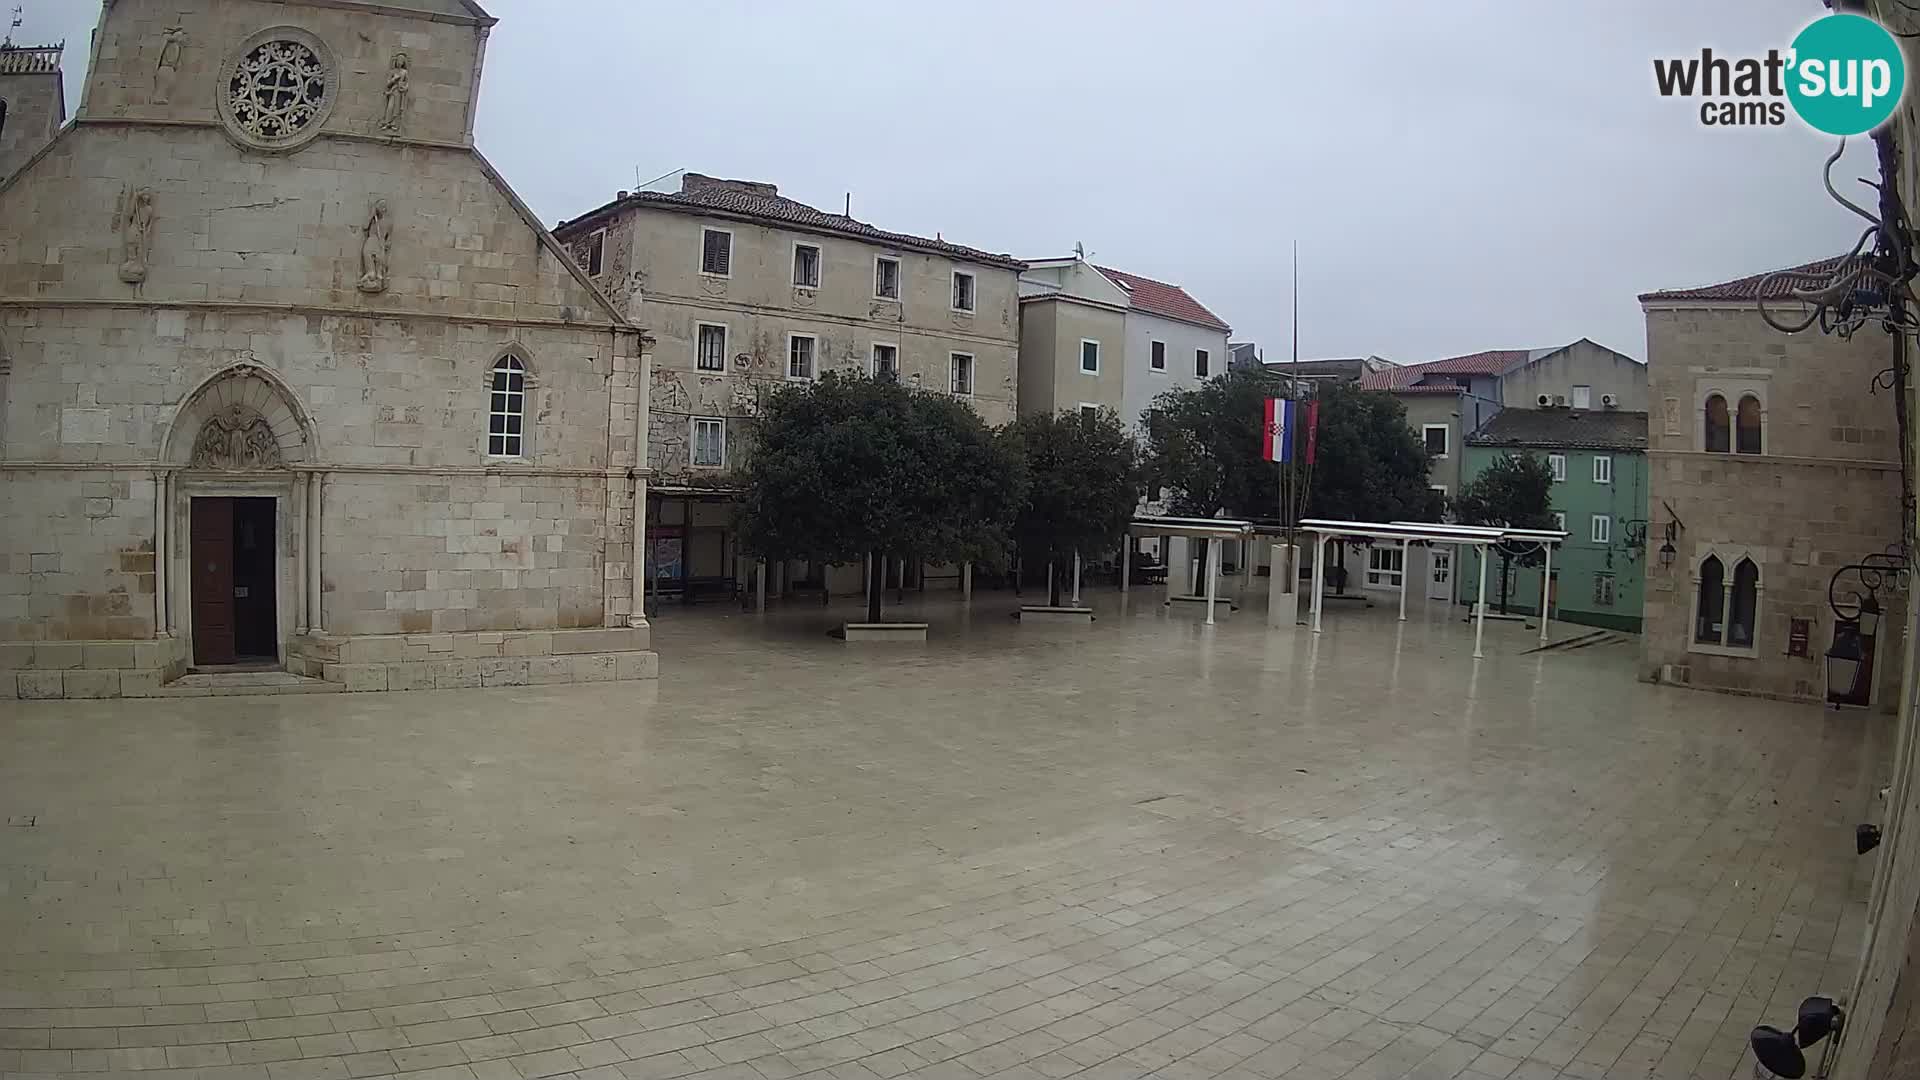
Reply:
x=236, y=683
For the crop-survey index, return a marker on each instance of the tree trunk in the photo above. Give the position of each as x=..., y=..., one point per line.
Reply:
x=1340, y=564
x=876, y=584
x=1503, y=582
x=1053, y=578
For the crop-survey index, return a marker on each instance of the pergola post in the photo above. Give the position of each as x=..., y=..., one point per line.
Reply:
x=1213, y=576
x=760, y=586
x=966, y=581
x=1546, y=581
x=1404, y=574
x=1166, y=559
x=1480, y=609
x=1319, y=576
x=1126, y=563
x=1076, y=579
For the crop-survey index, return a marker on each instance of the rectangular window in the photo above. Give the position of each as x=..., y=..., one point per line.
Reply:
x=1602, y=529
x=886, y=278
x=1159, y=360
x=1200, y=363
x=1603, y=470
x=1384, y=566
x=806, y=266
x=1603, y=590
x=709, y=443
x=800, y=356
x=1583, y=397
x=886, y=361
x=506, y=419
x=1436, y=437
x=710, y=352
x=961, y=370
x=590, y=252
x=716, y=252
x=1560, y=521
x=962, y=291
x=1089, y=357
x=1558, y=463
x=1089, y=412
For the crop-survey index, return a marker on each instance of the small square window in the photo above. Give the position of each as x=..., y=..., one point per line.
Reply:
x=962, y=367
x=590, y=252
x=1583, y=397
x=1089, y=413
x=716, y=252
x=886, y=361
x=1603, y=590
x=1201, y=363
x=800, y=356
x=1603, y=470
x=886, y=278
x=1159, y=360
x=1436, y=439
x=962, y=291
x=806, y=266
x=1558, y=463
x=709, y=443
x=1602, y=531
x=710, y=352
x=1089, y=357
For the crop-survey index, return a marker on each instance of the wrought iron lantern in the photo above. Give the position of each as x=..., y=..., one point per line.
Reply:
x=1853, y=593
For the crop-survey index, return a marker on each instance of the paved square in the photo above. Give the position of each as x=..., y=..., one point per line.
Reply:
x=1146, y=848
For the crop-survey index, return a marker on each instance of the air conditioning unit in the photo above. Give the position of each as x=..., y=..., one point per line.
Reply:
x=1608, y=401
x=1545, y=401
x=1559, y=400
x=1676, y=674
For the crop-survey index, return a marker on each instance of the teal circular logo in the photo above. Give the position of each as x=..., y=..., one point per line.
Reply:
x=1847, y=74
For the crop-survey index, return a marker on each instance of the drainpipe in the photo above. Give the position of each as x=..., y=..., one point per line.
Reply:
x=637, y=613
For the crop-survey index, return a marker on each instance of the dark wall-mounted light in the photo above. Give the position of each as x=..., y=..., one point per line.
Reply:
x=1782, y=1053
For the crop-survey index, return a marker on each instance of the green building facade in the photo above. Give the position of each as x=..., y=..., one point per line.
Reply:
x=1600, y=494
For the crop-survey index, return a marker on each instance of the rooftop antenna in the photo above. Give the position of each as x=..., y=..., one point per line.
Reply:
x=1296, y=301
x=18, y=18
x=849, y=210
x=1080, y=251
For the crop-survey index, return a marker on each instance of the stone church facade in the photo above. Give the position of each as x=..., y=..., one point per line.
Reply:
x=292, y=377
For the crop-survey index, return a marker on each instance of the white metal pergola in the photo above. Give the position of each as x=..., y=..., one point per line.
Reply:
x=1166, y=528
x=1410, y=532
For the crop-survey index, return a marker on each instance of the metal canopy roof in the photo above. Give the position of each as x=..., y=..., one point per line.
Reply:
x=1405, y=530
x=1201, y=528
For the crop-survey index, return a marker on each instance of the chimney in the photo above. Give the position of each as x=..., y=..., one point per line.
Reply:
x=694, y=183
x=621, y=195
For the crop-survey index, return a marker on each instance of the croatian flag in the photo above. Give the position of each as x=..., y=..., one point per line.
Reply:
x=1276, y=443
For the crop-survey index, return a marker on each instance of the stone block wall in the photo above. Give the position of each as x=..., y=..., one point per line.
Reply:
x=35, y=110
x=88, y=669
x=448, y=661
x=76, y=555
x=418, y=554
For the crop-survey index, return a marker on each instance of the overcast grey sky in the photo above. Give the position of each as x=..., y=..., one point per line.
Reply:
x=1460, y=176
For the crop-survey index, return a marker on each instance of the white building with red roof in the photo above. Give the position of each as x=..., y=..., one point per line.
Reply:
x=1096, y=337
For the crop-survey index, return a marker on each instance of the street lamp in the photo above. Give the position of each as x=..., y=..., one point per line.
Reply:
x=1845, y=659
x=1667, y=553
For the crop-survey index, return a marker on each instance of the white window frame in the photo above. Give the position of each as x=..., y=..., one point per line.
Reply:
x=1386, y=577
x=1600, y=529
x=1082, y=358
x=725, y=334
x=1441, y=488
x=1446, y=437
x=973, y=371
x=1085, y=405
x=1157, y=364
x=973, y=291
x=1732, y=385
x=1730, y=559
x=701, y=255
x=513, y=364
x=693, y=441
x=1613, y=589
x=819, y=265
x=1603, y=469
x=813, y=357
x=1559, y=520
x=1197, y=354
x=1558, y=464
x=899, y=275
x=1575, y=397
x=873, y=359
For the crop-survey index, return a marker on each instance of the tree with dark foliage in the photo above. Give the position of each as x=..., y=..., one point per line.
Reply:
x=1515, y=492
x=1083, y=482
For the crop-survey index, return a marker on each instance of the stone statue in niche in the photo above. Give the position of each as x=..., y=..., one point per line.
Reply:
x=236, y=439
x=396, y=106
x=167, y=68
x=374, y=249
x=136, y=236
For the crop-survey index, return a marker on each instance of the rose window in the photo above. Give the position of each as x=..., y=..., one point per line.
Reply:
x=278, y=89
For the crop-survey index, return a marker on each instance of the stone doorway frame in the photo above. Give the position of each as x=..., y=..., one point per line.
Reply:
x=290, y=555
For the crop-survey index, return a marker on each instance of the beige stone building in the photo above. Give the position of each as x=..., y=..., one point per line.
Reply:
x=747, y=290
x=33, y=101
x=1773, y=464
x=296, y=380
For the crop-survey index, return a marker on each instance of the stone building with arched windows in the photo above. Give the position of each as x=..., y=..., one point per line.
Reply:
x=294, y=380
x=1773, y=464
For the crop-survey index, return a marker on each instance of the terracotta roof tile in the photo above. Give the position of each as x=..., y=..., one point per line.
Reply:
x=1568, y=429
x=1409, y=379
x=1160, y=298
x=1806, y=275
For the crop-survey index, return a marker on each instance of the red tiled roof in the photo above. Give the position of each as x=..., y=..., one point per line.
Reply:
x=1806, y=275
x=1408, y=379
x=1160, y=298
